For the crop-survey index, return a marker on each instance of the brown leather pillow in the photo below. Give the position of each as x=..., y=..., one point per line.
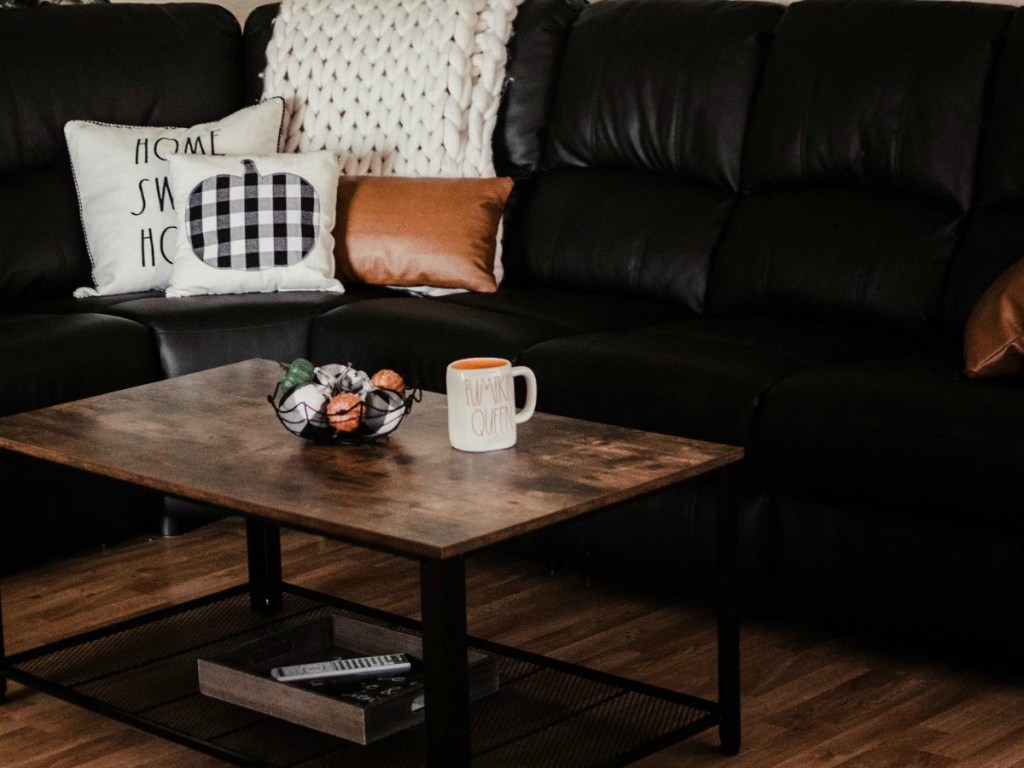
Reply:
x=994, y=333
x=411, y=232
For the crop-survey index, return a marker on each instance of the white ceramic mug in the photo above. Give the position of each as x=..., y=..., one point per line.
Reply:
x=482, y=405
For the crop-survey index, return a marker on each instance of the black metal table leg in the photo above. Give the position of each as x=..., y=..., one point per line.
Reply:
x=728, y=612
x=446, y=671
x=263, y=541
x=3, y=656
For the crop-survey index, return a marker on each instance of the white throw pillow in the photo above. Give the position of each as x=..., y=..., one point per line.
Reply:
x=255, y=223
x=125, y=199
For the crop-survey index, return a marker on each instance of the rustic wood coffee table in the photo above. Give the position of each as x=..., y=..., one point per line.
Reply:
x=212, y=437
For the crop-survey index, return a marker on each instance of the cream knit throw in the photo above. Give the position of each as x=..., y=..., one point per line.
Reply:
x=396, y=87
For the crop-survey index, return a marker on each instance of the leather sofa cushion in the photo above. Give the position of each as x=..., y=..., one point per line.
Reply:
x=173, y=64
x=1001, y=159
x=836, y=252
x=908, y=433
x=256, y=35
x=879, y=95
x=49, y=359
x=535, y=50
x=676, y=103
x=409, y=232
x=571, y=310
x=994, y=237
x=419, y=336
x=860, y=161
x=701, y=378
x=199, y=332
x=41, y=231
x=428, y=333
x=636, y=233
x=994, y=334
x=644, y=145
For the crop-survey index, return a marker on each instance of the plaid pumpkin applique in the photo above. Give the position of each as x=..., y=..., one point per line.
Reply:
x=252, y=221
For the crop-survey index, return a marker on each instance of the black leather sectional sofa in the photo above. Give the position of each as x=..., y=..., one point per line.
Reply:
x=741, y=221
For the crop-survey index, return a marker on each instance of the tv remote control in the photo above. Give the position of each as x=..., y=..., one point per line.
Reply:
x=363, y=666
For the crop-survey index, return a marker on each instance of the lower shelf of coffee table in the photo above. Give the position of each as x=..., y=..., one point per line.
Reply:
x=546, y=713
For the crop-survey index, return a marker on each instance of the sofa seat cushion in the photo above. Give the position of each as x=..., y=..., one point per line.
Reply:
x=911, y=433
x=49, y=359
x=69, y=305
x=572, y=310
x=700, y=378
x=419, y=336
x=199, y=332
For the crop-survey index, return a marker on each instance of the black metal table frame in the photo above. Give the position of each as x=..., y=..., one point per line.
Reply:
x=445, y=641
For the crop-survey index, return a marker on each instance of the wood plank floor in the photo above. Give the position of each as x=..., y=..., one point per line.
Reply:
x=810, y=698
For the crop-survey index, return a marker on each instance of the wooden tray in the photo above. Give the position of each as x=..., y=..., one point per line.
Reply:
x=362, y=711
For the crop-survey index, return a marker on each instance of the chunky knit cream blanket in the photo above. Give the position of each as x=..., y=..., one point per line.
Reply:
x=396, y=87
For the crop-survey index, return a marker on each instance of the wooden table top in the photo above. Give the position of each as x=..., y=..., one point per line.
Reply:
x=213, y=437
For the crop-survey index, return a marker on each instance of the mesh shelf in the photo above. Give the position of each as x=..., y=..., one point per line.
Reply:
x=144, y=672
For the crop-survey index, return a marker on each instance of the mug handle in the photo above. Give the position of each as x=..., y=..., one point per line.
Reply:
x=531, y=392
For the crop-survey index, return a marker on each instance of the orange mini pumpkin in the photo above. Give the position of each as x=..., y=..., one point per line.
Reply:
x=345, y=411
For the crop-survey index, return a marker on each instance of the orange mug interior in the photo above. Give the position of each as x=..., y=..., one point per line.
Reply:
x=478, y=363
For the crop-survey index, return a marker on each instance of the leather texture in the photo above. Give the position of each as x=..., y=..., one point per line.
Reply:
x=535, y=50
x=256, y=35
x=85, y=60
x=41, y=239
x=675, y=104
x=199, y=332
x=908, y=434
x=994, y=334
x=636, y=233
x=418, y=337
x=700, y=378
x=644, y=145
x=572, y=310
x=841, y=253
x=859, y=161
x=875, y=94
x=994, y=239
x=1001, y=158
x=67, y=53
x=51, y=359
x=411, y=232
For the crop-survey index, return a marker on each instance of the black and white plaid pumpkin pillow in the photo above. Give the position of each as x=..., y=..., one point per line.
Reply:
x=251, y=221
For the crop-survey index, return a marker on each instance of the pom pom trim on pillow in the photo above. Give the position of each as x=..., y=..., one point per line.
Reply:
x=121, y=177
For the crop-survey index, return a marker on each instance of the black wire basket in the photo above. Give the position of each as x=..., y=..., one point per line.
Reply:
x=376, y=414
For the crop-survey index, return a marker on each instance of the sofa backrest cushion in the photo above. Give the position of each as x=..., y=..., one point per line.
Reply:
x=646, y=133
x=860, y=161
x=994, y=236
x=173, y=64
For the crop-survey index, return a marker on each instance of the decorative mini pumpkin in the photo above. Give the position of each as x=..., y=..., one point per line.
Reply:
x=345, y=411
x=251, y=221
x=299, y=372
